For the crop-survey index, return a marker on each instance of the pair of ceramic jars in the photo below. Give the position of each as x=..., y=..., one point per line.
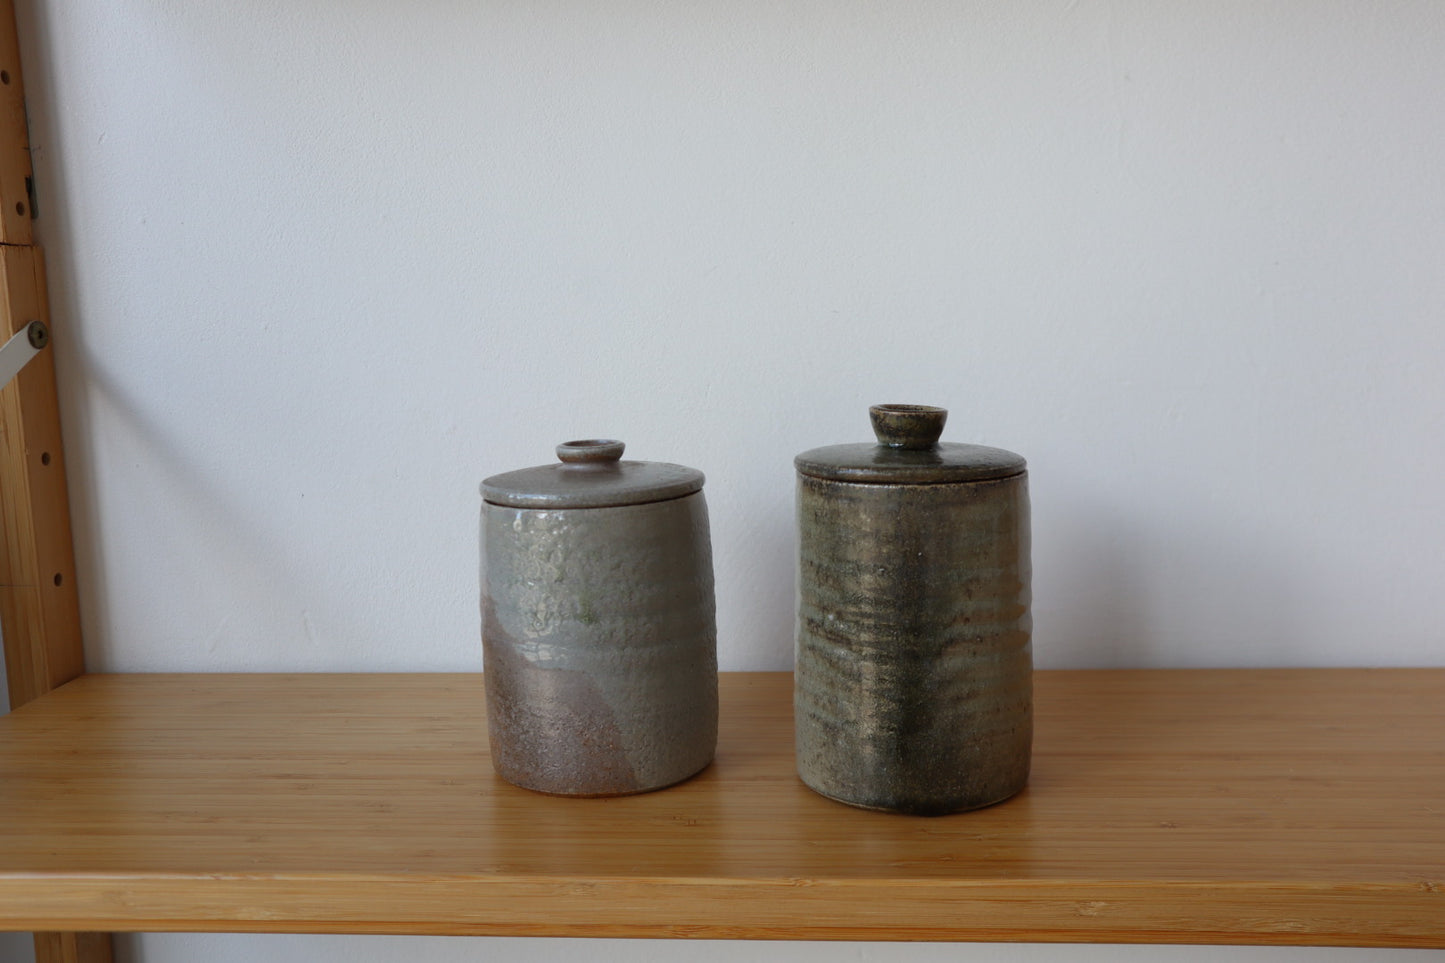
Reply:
x=913, y=683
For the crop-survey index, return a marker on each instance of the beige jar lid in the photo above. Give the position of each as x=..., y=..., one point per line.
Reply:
x=592, y=474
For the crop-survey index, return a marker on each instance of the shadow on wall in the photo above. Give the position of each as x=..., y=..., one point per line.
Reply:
x=277, y=948
x=17, y=948
x=778, y=552
x=754, y=565
x=251, y=557
x=1090, y=610
x=1117, y=587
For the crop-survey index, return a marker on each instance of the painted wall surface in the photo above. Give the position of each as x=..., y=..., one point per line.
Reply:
x=319, y=267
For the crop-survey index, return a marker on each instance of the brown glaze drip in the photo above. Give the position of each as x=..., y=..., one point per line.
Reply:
x=549, y=728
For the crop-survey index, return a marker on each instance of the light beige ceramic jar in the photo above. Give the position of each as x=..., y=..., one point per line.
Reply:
x=598, y=623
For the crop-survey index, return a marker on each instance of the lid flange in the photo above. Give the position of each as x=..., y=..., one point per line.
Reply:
x=592, y=475
x=909, y=453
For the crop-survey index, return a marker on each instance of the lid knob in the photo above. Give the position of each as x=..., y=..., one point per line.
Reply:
x=913, y=427
x=590, y=451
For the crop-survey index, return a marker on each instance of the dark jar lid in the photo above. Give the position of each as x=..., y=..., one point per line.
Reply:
x=592, y=475
x=908, y=452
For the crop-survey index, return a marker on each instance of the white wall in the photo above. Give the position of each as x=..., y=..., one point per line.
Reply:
x=318, y=267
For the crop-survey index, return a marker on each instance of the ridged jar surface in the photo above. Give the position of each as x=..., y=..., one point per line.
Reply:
x=600, y=645
x=914, y=680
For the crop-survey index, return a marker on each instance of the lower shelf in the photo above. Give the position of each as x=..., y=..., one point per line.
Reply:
x=1239, y=806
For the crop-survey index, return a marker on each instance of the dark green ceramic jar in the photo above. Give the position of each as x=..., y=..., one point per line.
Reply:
x=914, y=678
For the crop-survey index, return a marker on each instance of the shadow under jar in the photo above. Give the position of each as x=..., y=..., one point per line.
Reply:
x=599, y=629
x=914, y=678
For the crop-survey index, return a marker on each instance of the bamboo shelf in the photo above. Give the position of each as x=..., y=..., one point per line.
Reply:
x=1301, y=806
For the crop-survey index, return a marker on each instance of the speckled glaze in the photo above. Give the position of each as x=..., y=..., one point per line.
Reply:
x=600, y=644
x=914, y=676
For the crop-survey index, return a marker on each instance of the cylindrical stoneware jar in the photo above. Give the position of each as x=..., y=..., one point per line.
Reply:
x=598, y=623
x=914, y=680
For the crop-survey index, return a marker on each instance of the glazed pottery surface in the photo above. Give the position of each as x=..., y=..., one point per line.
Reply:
x=599, y=635
x=914, y=679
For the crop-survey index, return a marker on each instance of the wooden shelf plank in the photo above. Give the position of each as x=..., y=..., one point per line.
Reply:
x=1237, y=806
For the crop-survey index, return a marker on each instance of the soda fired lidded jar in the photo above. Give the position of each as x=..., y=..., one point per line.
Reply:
x=598, y=623
x=914, y=679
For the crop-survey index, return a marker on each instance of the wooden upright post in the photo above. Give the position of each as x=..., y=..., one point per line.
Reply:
x=39, y=608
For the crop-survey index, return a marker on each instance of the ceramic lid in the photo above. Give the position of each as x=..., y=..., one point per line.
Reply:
x=592, y=475
x=908, y=452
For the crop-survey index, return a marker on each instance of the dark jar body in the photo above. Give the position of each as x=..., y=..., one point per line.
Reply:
x=914, y=667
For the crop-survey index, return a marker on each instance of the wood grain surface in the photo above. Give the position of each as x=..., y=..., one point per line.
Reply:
x=39, y=608
x=15, y=213
x=1237, y=806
